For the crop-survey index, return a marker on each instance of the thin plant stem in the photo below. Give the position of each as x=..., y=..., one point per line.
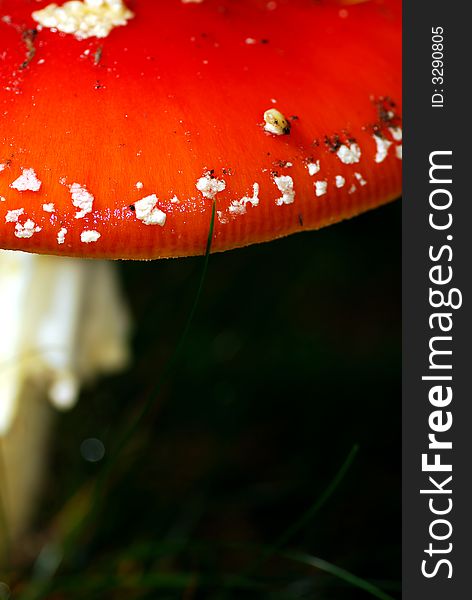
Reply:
x=97, y=495
x=298, y=525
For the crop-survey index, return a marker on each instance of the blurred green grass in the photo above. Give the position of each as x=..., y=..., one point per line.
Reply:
x=292, y=359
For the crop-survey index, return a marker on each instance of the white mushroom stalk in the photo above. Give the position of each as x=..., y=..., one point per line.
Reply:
x=63, y=322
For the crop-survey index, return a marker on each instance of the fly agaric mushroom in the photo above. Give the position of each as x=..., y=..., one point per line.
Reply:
x=123, y=123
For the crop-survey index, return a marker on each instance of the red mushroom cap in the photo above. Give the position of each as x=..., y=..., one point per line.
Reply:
x=117, y=146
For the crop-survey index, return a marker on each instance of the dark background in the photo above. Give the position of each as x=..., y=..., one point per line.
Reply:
x=292, y=359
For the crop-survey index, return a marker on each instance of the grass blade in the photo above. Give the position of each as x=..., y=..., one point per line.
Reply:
x=311, y=512
x=340, y=573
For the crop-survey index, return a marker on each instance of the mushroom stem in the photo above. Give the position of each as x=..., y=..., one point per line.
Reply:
x=23, y=449
x=63, y=322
